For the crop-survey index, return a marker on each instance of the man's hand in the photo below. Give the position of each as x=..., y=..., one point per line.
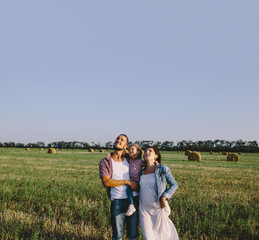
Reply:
x=132, y=184
x=163, y=202
x=108, y=182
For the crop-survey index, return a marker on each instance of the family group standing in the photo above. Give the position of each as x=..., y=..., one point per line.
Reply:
x=138, y=192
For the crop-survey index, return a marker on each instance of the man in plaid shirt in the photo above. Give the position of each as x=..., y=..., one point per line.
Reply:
x=114, y=172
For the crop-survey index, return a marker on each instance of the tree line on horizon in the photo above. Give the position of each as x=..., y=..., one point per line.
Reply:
x=203, y=146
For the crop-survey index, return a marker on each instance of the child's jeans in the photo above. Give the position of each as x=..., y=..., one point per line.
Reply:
x=130, y=195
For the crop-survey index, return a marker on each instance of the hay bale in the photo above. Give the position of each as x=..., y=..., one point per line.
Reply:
x=27, y=149
x=211, y=152
x=224, y=153
x=52, y=150
x=187, y=153
x=101, y=150
x=91, y=150
x=40, y=149
x=233, y=157
x=194, y=156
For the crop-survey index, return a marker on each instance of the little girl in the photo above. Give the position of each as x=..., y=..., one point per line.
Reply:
x=135, y=166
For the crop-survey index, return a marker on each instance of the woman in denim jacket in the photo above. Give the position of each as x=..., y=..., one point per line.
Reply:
x=154, y=210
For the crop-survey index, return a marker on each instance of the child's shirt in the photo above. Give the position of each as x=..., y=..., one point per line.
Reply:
x=135, y=169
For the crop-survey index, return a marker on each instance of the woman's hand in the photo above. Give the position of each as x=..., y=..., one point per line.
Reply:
x=163, y=202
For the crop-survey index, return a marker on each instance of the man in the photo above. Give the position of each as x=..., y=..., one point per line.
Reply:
x=114, y=172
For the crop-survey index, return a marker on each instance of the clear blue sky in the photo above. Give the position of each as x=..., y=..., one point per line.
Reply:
x=155, y=70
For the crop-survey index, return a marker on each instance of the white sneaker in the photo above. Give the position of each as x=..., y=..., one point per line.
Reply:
x=131, y=210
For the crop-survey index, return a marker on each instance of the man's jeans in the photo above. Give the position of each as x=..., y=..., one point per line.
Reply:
x=118, y=210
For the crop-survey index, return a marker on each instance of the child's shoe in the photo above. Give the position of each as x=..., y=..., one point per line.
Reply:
x=131, y=210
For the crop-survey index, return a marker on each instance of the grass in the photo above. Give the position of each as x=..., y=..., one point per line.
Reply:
x=60, y=196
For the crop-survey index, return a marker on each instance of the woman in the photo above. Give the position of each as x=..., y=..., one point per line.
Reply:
x=154, y=210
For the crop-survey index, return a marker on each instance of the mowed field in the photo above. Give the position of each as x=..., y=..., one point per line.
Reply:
x=60, y=196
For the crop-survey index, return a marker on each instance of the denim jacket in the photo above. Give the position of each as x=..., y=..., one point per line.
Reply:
x=164, y=176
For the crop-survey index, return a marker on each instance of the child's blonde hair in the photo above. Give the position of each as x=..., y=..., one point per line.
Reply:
x=138, y=149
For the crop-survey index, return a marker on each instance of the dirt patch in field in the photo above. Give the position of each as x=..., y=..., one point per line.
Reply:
x=6, y=157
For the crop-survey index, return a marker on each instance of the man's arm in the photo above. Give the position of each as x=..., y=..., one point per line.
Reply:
x=108, y=182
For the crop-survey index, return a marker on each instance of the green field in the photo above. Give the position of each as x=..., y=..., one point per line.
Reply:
x=60, y=196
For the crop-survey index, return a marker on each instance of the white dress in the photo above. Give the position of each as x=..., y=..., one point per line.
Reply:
x=154, y=221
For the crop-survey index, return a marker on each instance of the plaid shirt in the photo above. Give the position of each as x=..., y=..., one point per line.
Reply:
x=105, y=169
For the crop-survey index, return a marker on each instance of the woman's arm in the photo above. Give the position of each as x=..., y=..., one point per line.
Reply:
x=172, y=184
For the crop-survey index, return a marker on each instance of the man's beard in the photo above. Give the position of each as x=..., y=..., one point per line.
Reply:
x=116, y=148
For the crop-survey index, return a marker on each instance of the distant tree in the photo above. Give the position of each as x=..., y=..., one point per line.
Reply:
x=252, y=146
x=216, y=145
x=109, y=145
x=190, y=145
x=183, y=145
x=68, y=145
x=199, y=146
x=239, y=145
x=40, y=144
x=158, y=145
x=9, y=144
x=96, y=145
x=85, y=145
x=171, y=145
x=222, y=143
x=60, y=144
x=31, y=145
x=228, y=146
x=208, y=145
x=145, y=143
x=167, y=146
x=180, y=146
x=19, y=145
